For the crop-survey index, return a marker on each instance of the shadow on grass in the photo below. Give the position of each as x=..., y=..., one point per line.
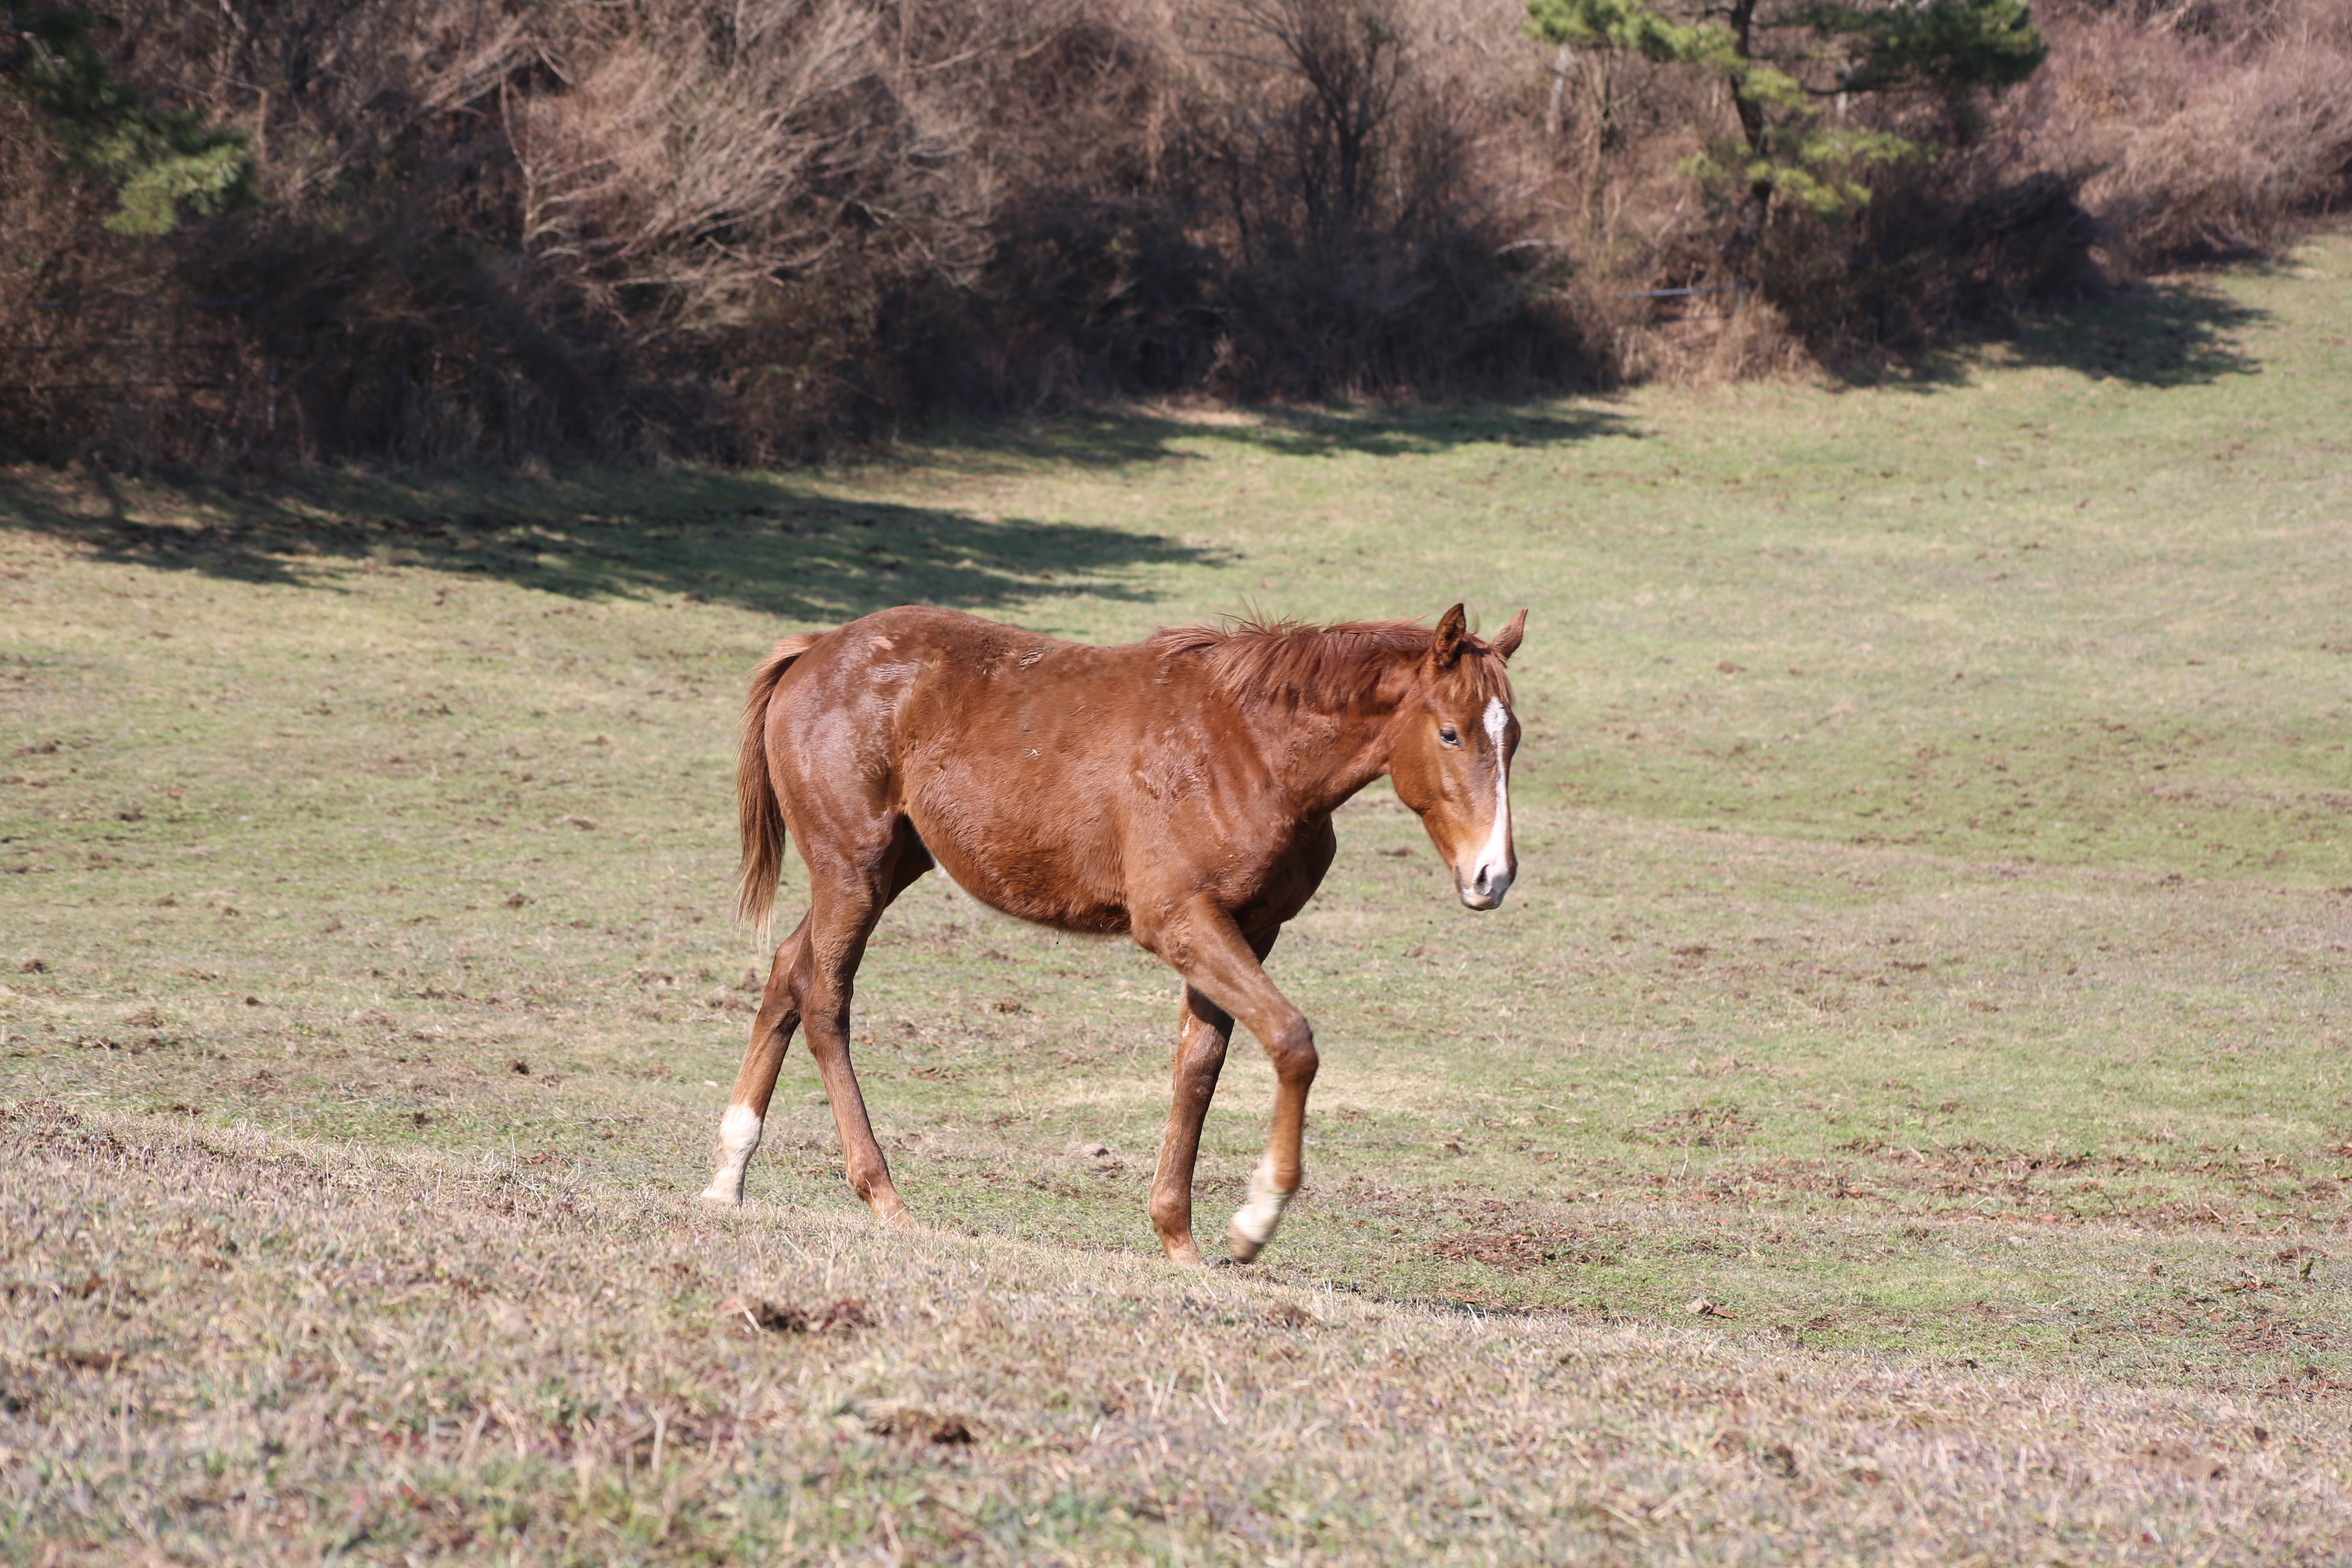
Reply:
x=1109, y=441
x=762, y=541
x=2156, y=336
x=766, y=542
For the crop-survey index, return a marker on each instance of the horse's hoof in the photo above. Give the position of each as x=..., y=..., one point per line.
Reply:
x=1242, y=1244
x=720, y=1198
x=1183, y=1254
x=901, y=1219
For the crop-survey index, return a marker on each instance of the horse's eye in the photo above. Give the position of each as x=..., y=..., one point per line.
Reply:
x=1445, y=732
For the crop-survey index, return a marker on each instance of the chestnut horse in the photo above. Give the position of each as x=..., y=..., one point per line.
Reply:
x=1178, y=789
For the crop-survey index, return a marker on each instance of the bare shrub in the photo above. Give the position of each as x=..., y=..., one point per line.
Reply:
x=1374, y=188
x=696, y=157
x=764, y=230
x=2211, y=137
x=660, y=225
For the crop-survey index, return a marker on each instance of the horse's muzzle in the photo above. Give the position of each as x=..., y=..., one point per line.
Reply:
x=1483, y=888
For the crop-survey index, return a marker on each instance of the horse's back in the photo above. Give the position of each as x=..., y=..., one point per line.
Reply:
x=1008, y=751
x=936, y=674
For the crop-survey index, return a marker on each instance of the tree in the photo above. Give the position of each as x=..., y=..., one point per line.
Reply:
x=1782, y=60
x=156, y=158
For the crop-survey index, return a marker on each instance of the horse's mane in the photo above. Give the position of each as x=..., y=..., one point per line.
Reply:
x=1257, y=662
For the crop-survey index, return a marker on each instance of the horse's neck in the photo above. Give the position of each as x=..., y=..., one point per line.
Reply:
x=1341, y=753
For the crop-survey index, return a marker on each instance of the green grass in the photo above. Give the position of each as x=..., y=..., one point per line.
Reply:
x=1929, y=947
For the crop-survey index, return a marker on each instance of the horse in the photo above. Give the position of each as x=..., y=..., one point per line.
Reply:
x=1177, y=790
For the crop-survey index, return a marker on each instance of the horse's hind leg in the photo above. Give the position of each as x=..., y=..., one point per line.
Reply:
x=846, y=902
x=794, y=979
x=1203, y=1029
x=747, y=1108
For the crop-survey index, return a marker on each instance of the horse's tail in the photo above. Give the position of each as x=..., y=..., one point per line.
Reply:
x=763, y=817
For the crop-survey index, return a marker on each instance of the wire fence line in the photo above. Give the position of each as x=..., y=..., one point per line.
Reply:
x=1675, y=293
x=1738, y=290
x=138, y=374
x=212, y=377
x=147, y=304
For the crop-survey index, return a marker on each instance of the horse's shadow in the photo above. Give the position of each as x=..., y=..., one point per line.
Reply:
x=769, y=542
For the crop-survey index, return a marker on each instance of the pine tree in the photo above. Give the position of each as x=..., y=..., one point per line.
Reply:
x=1781, y=60
x=156, y=158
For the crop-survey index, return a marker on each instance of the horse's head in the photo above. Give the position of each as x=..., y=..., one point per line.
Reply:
x=1450, y=755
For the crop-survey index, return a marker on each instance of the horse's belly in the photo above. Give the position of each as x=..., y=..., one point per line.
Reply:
x=1057, y=910
x=1013, y=779
x=1037, y=870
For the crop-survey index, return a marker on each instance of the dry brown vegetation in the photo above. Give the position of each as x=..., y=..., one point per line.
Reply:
x=257, y=1346
x=759, y=231
x=2203, y=129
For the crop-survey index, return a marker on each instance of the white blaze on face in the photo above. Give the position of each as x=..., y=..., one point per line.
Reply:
x=738, y=1134
x=1490, y=877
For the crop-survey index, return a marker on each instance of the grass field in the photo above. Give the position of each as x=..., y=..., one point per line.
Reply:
x=1902, y=1113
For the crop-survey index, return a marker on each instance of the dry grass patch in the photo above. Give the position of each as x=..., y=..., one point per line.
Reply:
x=222, y=1345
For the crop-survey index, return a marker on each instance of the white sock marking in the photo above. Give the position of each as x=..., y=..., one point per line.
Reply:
x=1256, y=1218
x=738, y=1134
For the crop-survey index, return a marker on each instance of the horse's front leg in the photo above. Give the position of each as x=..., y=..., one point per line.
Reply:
x=1202, y=1030
x=1210, y=952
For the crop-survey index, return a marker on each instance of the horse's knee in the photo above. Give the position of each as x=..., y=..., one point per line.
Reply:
x=822, y=1003
x=1292, y=1051
x=779, y=1014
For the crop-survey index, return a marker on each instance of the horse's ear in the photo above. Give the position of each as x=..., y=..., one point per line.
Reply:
x=1445, y=642
x=1506, y=641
